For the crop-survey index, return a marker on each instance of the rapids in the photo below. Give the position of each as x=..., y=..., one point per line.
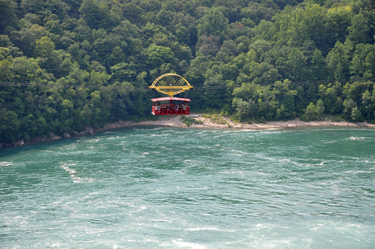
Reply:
x=192, y=188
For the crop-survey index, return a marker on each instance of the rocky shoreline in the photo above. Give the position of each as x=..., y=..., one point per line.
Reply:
x=207, y=123
x=87, y=130
x=204, y=123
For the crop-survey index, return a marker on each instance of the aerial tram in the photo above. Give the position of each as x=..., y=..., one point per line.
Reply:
x=170, y=84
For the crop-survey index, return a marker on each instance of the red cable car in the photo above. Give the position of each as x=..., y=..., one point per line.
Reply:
x=170, y=108
x=170, y=84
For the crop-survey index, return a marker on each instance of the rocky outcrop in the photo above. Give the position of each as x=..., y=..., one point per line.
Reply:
x=54, y=137
x=19, y=143
x=88, y=129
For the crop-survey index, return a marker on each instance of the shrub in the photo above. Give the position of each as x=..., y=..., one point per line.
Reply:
x=188, y=121
x=337, y=119
x=235, y=119
x=221, y=121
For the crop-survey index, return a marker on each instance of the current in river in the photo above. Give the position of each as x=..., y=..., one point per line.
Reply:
x=150, y=187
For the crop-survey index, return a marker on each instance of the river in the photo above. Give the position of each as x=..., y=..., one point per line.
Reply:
x=192, y=188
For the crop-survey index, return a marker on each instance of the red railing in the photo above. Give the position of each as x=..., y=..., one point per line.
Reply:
x=167, y=111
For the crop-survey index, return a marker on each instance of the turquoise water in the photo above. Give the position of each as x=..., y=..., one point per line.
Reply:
x=192, y=188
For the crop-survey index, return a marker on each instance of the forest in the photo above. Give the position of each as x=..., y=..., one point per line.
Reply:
x=68, y=64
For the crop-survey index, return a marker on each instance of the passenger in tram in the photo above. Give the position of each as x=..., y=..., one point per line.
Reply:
x=180, y=108
x=168, y=108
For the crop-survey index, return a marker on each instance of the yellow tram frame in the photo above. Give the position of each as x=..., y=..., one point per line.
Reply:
x=171, y=90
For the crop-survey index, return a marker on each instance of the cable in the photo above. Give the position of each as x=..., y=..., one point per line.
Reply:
x=67, y=86
x=133, y=88
x=295, y=83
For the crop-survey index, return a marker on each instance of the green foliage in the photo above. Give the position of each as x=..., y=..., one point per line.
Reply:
x=8, y=18
x=247, y=59
x=261, y=120
x=310, y=111
x=215, y=118
x=359, y=29
x=245, y=109
x=212, y=23
x=189, y=121
x=356, y=114
x=157, y=55
x=319, y=108
x=337, y=119
x=96, y=14
x=138, y=119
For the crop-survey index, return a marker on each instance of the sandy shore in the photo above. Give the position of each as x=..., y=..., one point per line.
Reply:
x=174, y=121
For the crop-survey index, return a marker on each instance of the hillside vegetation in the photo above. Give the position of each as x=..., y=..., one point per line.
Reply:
x=91, y=60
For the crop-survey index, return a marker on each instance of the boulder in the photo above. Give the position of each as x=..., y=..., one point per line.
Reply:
x=88, y=129
x=66, y=135
x=54, y=137
x=19, y=143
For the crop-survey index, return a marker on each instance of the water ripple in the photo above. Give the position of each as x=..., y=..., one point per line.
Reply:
x=185, y=188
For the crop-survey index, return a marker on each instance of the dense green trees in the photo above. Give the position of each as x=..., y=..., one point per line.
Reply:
x=91, y=60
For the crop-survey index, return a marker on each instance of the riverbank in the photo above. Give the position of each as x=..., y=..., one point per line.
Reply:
x=175, y=121
x=207, y=123
x=203, y=123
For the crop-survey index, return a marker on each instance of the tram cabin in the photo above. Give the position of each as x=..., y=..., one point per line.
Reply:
x=166, y=106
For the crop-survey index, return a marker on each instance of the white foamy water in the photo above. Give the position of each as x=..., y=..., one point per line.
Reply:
x=67, y=169
x=5, y=164
x=356, y=138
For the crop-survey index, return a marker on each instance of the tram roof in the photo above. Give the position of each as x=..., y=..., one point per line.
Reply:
x=169, y=98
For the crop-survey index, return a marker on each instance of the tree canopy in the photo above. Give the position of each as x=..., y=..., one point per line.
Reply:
x=68, y=64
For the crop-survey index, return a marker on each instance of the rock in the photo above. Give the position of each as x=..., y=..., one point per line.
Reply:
x=111, y=126
x=66, y=135
x=76, y=133
x=19, y=143
x=82, y=133
x=88, y=129
x=1, y=145
x=55, y=137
